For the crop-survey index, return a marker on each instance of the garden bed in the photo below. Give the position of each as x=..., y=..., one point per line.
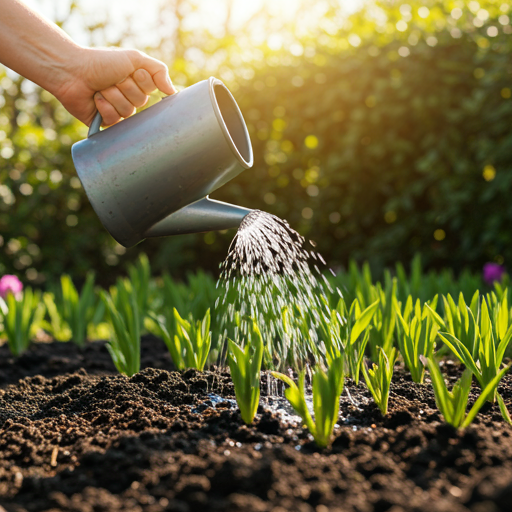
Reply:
x=76, y=436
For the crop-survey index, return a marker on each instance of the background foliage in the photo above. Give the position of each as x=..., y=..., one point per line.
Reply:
x=379, y=135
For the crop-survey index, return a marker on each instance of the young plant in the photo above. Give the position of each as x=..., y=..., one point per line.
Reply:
x=490, y=351
x=140, y=275
x=20, y=318
x=384, y=320
x=245, y=366
x=501, y=319
x=453, y=404
x=327, y=389
x=188, y=342
x=57, y=327
x=71, y=312
x=346, y=334
x=461, y=320
x=417, y=331
x=125, y=321
x=378, y=378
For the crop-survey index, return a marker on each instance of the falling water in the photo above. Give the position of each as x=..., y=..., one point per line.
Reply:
x=269, y=276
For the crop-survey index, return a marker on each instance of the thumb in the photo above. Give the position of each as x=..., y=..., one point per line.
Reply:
x=157, y=69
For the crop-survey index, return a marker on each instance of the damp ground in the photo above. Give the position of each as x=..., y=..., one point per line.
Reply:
x=77, y=437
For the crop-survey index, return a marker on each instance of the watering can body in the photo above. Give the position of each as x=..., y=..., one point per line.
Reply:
x=150, y=174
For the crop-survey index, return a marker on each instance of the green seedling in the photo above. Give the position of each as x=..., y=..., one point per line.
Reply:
x=417, y=331
x=378, y=378
x=245, y=366
x=188, y=342
x=125, y=321
x=490, y=351
x=499, y=311
x=384, y=320
x=460, y=323
x=367, y=293
x=453, y=404
x=191, y=299
x=345, y=334
x=140, y=276
x=57, y=327
x=70, y=312
x=327, y=389
x=21, y=318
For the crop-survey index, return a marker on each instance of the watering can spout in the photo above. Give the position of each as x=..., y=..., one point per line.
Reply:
x=203, y=215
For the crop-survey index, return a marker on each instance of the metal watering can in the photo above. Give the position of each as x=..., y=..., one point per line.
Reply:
x=150, y=174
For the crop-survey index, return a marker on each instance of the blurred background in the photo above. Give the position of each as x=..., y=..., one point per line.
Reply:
x=381, y=129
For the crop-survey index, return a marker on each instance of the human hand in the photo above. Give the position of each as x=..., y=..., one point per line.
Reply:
x=114, y=82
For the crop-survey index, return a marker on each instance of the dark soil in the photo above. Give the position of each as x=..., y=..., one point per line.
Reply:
x=75, y=436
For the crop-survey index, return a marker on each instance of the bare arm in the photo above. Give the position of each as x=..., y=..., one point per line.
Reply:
x=111, y=80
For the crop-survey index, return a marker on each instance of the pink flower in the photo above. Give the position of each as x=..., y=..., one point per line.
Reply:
x=493, y=272
x=12, y=284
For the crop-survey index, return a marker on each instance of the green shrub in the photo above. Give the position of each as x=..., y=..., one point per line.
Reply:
x=374, y=155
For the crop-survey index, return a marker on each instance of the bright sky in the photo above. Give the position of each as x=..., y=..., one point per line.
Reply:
x=144, y=13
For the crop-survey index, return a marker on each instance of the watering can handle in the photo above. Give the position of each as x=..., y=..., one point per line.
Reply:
x=94, y=128
x=95, y=125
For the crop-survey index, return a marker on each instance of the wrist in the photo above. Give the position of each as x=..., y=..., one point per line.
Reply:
x=62, y=69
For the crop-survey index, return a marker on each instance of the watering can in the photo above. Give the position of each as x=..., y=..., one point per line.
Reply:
x=150, y=174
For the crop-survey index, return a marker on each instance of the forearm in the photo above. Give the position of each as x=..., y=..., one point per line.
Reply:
x=34, y=47
x=84, y=80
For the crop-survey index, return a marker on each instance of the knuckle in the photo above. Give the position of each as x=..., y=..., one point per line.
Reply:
x=134, y=52
x=135, y=56
x=126, y=85
x=141, y=75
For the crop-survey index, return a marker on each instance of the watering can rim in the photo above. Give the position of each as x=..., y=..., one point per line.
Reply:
x=247, y=164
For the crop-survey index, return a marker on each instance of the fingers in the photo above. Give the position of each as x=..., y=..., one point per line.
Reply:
x=120, y=101
x=133, y=93
x=158, y=70
x=108, y=112
x=113, y=105
x=144, y=81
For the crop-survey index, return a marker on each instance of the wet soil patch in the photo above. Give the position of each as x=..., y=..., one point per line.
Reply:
x=75, y=436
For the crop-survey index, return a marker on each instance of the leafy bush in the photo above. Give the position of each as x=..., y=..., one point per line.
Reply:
x=377, y=142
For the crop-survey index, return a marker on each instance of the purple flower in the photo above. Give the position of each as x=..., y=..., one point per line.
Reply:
x=493, y=272
x=10, y=284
